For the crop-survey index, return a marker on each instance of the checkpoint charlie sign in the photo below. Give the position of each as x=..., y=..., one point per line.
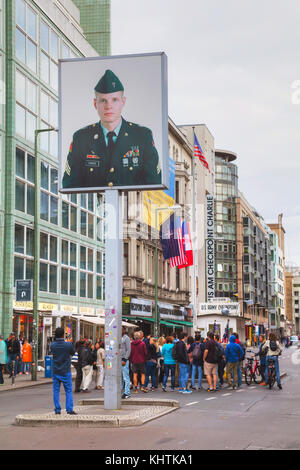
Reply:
x=210, y=248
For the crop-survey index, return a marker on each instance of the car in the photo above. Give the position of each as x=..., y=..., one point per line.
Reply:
x=294, y=341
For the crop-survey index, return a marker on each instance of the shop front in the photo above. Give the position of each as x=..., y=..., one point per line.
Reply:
x=220, y=325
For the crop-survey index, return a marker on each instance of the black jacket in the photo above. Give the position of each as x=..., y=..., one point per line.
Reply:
x=85, y=357
x=13, y=347
x=152, y=353
x=181, y=352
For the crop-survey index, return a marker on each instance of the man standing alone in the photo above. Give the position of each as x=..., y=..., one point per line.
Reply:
x=62, y=352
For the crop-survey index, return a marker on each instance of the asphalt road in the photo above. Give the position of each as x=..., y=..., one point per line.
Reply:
x=250, y=418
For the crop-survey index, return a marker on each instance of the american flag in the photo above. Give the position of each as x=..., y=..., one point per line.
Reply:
x=199, y=153
x=181, y=259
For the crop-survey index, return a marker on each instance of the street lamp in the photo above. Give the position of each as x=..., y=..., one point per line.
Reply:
x=156, y=318
x=36, y=271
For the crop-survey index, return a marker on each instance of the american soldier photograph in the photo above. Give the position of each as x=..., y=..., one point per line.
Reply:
x=112, y=151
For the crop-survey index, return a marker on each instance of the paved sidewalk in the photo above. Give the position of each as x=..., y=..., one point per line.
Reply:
x=24, y=381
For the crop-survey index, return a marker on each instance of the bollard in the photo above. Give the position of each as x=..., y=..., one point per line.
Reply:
x=13, y=373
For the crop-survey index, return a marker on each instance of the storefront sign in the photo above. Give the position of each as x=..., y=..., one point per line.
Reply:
x=210, y=248
x=233, y=307
x=69, y=309
x=171, y=312
x=22, y=305
x=24, y=290
x=141, y=307
x=86, y=311
x=47, y=307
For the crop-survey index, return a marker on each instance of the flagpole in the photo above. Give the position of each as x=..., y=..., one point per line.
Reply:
x=194, y=234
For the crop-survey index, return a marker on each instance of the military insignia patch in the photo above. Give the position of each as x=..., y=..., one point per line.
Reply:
x=68, y=169
x=95, y=157
x=71, y=147
x=125, y=162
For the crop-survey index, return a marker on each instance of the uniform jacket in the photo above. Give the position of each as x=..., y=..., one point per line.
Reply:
x=135, y=159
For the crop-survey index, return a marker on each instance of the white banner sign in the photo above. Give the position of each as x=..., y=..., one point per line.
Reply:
x=209, y=307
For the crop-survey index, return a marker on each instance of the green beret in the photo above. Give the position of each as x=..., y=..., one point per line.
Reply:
x=109, y=83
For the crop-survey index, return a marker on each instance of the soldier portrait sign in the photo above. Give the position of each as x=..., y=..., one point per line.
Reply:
x=113, y=123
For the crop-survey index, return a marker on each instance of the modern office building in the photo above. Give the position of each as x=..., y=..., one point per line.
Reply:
x=34, y=35
x=226, y=192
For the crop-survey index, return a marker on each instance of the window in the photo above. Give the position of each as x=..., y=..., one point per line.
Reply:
x=24, y=246
x=49, y=55
x=48, y=263
x=26, y=35
x=86, y=272
x=87, y=216
x=69, y=268
x=100, y=218
x=69, y=212
x=49, y=193
x=49, y=118
x=26, y=107
x=24, y=194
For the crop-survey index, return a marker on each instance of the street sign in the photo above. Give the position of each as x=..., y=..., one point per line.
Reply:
x=24, y=290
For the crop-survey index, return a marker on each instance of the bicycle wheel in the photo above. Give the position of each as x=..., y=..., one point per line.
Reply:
x=248, y=375
x=272, y=379
x=258, y=378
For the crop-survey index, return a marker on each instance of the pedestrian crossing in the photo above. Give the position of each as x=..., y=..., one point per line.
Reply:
x=218, y=395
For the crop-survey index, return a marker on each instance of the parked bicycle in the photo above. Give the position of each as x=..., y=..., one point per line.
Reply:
x=252, y=371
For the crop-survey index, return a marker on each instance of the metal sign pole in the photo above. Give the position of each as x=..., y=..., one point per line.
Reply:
x=113, y=299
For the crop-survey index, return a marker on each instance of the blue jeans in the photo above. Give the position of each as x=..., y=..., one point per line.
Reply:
x=194, y=370
x=66, y=380
x=150, y=370
x=168, y=368
x=183, y=373
x=25, y=367
x=10, y=358
x=276, y=365
x=126, y=378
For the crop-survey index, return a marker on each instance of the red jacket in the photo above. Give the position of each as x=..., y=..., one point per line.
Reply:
x=138, y=353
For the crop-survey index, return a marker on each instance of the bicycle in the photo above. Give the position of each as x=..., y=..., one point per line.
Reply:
x=253, y=372
x=272, y=374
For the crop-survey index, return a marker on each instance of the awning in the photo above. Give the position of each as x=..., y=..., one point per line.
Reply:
x=185, y=323
x=99, y=320
x=150, y=319
x=172, y=325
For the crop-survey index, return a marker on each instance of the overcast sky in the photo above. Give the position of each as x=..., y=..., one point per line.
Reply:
x=232, y=66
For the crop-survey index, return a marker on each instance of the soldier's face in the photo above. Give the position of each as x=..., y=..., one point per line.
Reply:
x=109, y=107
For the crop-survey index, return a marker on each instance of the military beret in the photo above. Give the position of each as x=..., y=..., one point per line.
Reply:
x=109, y=83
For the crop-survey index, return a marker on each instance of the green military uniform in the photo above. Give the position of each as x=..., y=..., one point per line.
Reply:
x=133, y=161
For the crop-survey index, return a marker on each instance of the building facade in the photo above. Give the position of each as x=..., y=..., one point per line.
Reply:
x=34, y=36
x=175, y=286
x=292, y=298
x=254, y=268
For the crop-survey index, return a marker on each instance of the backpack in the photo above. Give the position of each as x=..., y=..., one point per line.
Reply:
x=273, y=346
x=197, y=352
x=219, y=353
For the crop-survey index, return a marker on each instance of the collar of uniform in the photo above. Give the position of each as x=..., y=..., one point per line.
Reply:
x=116, y=130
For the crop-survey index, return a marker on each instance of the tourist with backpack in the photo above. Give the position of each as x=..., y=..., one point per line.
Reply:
x=240, y=366
x=181, y=356
x=196, y=350
x=169, y=363
x=221, y=362
x=274, y=350
x=210, y=361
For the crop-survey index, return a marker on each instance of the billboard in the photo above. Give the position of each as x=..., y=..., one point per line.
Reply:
x=113, y=123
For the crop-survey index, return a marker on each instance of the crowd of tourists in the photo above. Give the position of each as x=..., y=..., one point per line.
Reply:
x=15, y=356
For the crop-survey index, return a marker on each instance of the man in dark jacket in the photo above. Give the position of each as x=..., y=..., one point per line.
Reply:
x=13, y=354
x=86, y=360
x=183, y=362
x=138, y=358
x=62, y=352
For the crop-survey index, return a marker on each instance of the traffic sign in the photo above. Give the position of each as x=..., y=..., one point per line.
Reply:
x=24, y=290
